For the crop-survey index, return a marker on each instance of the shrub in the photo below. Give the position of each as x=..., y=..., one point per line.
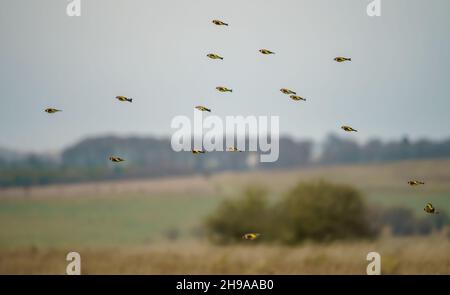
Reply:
x=403, y=221
x=322, y=211
x=318, y=211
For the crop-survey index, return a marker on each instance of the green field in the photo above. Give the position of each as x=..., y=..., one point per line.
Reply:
x=164, y=212
x=99, y=221
x=130, y=219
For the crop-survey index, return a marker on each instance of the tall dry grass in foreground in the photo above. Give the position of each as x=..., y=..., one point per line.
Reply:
x=399, y=256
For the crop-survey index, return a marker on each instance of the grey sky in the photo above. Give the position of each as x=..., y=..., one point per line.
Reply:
x=154, y=51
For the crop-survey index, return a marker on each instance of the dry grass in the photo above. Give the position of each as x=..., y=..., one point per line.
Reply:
x=399, y=256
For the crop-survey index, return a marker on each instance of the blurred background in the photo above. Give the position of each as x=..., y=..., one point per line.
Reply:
x=331, y=198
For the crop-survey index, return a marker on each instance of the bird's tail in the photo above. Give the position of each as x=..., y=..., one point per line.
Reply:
x=130, y=99
x=221, y=58
x=226, y=24
x=349, y=59
x=231, y=90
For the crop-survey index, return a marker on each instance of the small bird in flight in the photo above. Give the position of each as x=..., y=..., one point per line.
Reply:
x=296, y=97
x=116, y=159
x=415, y=182
x=342, y=59
x=287, y=91
x=196, y=152
x=233, y=149
x=349, y=129
x=52, y=110
x=124, y=98
x=266, y=51
x=251, y=236
x=214, y=56
x=430, y=209
x=219, y=23
x=203, y=109
x=223, y=89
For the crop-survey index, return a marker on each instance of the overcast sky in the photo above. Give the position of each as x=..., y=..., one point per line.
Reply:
x=155, y=51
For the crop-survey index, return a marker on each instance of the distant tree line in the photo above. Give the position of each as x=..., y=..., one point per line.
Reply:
x=337, y=150
x=153, y=157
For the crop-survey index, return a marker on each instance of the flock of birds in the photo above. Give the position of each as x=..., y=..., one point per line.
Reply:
x=429, y=208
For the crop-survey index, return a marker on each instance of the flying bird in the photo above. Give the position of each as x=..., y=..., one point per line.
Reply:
x=214, y=56
x=415, y=182
x=296, y=97
x=266, y=51
x=287, y=91
x=219, y=23
x=233, y=149
x=116, y=159
x=196, y=152
x=342, y=59
x=124, y=98
x=251, y=236
x=52, y=110
x=430, y=209
x=203, y=109
x=349, y=129
x=223, y=89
